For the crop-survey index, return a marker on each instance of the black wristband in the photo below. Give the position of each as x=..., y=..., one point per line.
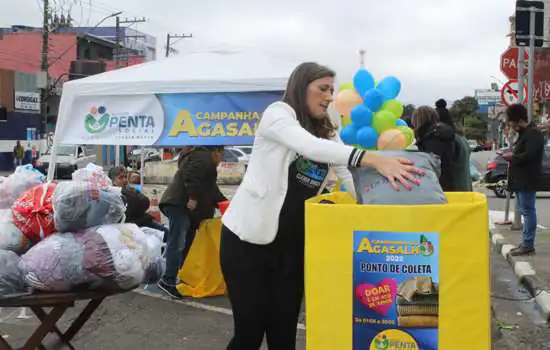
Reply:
x=355, y=158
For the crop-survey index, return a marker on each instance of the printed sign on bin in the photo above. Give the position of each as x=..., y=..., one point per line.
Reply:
x=396, y=290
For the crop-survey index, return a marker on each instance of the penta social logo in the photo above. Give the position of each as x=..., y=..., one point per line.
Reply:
x=99, y=120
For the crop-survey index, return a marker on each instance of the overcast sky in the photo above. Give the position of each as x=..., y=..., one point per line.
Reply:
x=438, y=48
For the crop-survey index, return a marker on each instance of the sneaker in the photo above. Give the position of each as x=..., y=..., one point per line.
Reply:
x=522, y=251
x=169, y=289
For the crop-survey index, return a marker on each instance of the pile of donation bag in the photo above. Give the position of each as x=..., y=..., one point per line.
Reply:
x=71, y=235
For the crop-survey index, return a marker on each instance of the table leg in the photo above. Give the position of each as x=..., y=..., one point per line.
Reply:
x=82, y=318
x=47, y=325
x=41, y=314
x=4, y=344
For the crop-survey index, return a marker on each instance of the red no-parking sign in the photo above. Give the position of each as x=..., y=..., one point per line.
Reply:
x=510, y=93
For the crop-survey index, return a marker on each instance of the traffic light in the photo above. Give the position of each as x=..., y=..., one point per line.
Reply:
x=523, y=20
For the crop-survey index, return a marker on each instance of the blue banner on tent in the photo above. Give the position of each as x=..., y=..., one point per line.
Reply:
x=212, y=118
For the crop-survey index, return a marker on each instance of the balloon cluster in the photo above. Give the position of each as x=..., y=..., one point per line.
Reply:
x=371, y=114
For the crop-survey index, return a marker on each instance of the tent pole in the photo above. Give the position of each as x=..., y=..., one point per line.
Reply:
x=117, y=155
x=142, y=166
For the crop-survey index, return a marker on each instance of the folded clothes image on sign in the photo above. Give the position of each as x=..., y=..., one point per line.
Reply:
x=418, y=303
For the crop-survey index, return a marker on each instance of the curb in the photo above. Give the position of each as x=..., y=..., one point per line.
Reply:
x=526, y=274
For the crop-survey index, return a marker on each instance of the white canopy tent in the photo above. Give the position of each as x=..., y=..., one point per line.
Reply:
x=206, y=72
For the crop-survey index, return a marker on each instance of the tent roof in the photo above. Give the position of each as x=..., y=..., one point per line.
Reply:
x=220, y=71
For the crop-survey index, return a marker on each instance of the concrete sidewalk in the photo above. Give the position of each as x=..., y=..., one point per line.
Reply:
x=135, y=321
x=533, y=270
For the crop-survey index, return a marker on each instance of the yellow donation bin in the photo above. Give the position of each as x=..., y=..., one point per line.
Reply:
x=397, y=277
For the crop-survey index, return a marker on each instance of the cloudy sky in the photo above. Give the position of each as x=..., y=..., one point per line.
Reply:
x=438, y=48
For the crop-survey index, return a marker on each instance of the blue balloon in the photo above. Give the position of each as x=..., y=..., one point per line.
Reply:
x=361, y=116
x=367, y=137
x=363, y=81
x=349, y=134
x=390, y=87
x=373, y=100
x=401, y=122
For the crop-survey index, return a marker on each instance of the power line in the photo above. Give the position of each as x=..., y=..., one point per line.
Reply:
x=169, y=38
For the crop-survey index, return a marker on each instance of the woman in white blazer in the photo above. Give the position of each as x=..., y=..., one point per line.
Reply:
x=262, y=247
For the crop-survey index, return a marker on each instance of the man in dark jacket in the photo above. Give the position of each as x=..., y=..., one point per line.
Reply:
x=525, y=172
x=443, y=113
x=191, y=197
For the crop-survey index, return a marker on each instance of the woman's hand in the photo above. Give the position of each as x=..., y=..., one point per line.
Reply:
x=399, y=171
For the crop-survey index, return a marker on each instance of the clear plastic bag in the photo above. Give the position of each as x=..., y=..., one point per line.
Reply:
x=373, y=188
x=81, y=205
x=11, y=237
x=157, y=265
x=56, y=264
x=24, y=178
x=11, y=278
x=114, y=256
x=94, y=174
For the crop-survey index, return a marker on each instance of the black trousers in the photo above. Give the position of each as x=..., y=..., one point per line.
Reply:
x=265, y=284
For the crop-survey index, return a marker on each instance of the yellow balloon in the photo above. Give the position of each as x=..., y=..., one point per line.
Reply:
x=346, y=100
x=394, y=107
x=392, y=140
x=346, y=120
x=346, y=86
x=408, y=132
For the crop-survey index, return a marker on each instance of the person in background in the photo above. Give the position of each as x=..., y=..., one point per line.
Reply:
x=137, y=204
x=462, y=176
x=438, y=138
x=18, y=154
x=525, y=172
x=263, y=238
x=191, y=197
x=443, y=113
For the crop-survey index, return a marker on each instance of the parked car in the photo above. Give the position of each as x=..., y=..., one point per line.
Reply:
x=69, y=158
x=149, y=155
x=496, y=177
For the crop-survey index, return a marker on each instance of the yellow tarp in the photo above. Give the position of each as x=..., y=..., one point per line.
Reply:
x=201, y=273
x=463, y=286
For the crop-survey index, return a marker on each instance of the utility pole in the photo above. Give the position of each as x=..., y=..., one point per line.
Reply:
x=118, y=59
x=45, y=66
x=118, y=36
x=169, y=38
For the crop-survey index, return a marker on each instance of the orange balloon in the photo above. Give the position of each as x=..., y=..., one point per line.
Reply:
x=346, y=100
x=392, y=140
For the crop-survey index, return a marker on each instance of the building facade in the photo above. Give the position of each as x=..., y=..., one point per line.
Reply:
x=20, y=65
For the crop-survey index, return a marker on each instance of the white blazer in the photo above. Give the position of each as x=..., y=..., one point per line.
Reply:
x=253, y=213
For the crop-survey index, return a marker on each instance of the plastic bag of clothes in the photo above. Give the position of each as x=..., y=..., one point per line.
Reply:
x=373, y=188
x=11, y=237
x=12, y=187
x=157, y=266
x=105, y=256
x=33, y=212
x=94, y=174
x=81, y=205
x=57, y=264
x=11, y=278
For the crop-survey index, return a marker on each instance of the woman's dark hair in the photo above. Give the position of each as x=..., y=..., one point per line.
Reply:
x=296, y=96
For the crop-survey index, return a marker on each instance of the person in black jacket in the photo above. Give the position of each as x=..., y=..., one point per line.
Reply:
x=443, y=113
x=191, y=197
x=525, y=172
x=433, y=136
x=137, y=204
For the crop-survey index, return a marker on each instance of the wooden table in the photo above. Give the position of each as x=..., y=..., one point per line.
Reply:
x=59, y=304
